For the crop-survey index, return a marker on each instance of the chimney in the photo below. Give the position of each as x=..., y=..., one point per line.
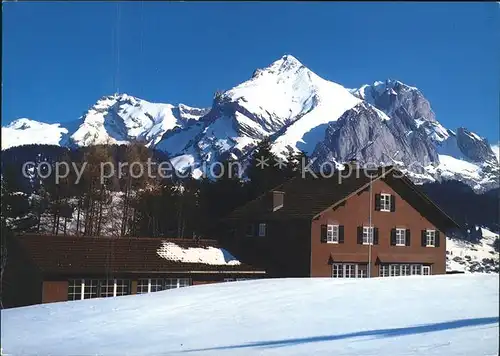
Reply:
x=277, y=199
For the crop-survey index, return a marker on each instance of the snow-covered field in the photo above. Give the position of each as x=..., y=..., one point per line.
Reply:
x=417, y=315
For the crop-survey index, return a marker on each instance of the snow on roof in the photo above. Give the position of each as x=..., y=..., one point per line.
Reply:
x=209, y=255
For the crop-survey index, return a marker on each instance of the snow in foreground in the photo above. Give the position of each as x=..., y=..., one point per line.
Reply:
x=417, y=315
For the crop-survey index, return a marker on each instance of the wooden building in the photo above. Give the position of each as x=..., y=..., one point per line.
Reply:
x=46, y=268
x=348, y=225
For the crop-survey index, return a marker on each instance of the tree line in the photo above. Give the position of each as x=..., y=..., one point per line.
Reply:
x=132, y=204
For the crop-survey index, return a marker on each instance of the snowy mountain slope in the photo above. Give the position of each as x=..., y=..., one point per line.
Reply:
x=496, y=151
x=439, y=153
x=25, y=132
x=117, y=119
x=473, y=257
x=285, y=101
x=387, y=122
x=413, y=315
x=123, y=118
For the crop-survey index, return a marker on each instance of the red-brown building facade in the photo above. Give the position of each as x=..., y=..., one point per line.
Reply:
x=48, y=268
x=322, y=227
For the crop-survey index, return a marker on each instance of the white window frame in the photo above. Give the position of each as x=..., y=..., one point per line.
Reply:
x=385, y=202
x=383, y=270
x=367, y=231
x=332, y=234
x=415, y=269
x=405, y=269
x=348, y=270
x=400, y=236
x=430, y=238
x=262, y=229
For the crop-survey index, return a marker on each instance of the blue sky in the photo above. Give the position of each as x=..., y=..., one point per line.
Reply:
x=60, y=57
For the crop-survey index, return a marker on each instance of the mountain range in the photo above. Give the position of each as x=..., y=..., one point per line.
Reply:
x=387, y=122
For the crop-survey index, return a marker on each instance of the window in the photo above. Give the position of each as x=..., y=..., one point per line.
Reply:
x=416, y=269
x=172, y=283
x=338, y=270
x=384, y=271
x=332, y=234
x=405, y=270
x=430, y=238
x=107, y=288
x=122, y=287
x=235, y=279
x=361, y=271
x=156, y=285
x=75, y=288
x=387, y=270
x=90, y=288
x=142, y=286
x=348, y=270
x=367, y=235
x=394, y=270
x=262, y=229
x=385, y=202
x=400, y=237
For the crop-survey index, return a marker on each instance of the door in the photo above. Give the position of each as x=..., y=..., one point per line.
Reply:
x=426, y=270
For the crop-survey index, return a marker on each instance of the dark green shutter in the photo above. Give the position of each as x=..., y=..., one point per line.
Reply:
x=375, y=235
x=436, y=244
x=393, y=202
x=323, y=233
x=341, y=234
x=408, y=243
x=393, y=237
x=360, y=235
x=423, y=238
x=377, y=202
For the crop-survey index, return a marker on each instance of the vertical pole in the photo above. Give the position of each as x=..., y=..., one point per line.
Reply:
x=370, y=233
x=114, y=288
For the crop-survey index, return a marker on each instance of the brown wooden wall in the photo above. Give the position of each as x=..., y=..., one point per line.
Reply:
x=54, y=291
x=283, y=252
x=355, y=213
x=22, y=282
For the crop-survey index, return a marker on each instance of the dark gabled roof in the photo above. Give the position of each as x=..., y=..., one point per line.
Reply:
x=307, y=197
x=67, y=255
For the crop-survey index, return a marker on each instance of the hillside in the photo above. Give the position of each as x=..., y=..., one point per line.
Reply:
x=418, y=315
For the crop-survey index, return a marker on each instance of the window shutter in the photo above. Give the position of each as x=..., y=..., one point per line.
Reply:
x=341, y=234
x=393, y=237
x=423, y=237
x=375, y=235
x=407, y=237
x=360, y=235
x=323, y=233
x=377, y=202
x=436, y=244
x=393, y=202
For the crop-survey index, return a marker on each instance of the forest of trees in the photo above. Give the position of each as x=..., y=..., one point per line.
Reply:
x=139, y=205
x=132, y=204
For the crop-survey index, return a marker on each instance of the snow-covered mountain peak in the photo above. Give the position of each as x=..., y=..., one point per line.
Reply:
x=25, y=131
x=24, y=124
x=123, y=118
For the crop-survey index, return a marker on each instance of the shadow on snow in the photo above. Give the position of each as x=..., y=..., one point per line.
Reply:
x=381, y=333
